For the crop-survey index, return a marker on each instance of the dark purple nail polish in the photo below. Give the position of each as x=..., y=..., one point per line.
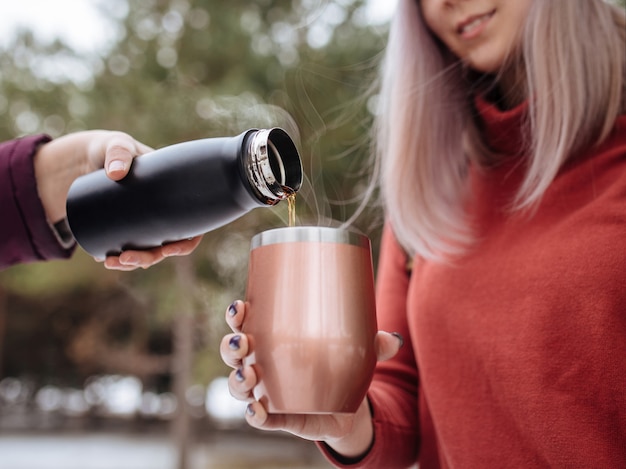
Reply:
x=232, y=310
x=250, y=411
x=399, y=337
x=234, y=342
x=239, y=375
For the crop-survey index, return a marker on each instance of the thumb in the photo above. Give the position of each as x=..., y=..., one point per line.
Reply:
x=119, y=154
x=387, y=344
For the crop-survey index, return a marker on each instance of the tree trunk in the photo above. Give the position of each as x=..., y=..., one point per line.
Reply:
x=183, y=357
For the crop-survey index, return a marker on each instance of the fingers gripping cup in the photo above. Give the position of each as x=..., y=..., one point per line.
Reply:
x=311, y=319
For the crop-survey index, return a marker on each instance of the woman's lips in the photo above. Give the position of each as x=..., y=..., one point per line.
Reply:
x=474, y=25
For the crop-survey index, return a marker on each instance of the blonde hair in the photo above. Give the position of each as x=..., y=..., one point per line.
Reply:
x=573, y=55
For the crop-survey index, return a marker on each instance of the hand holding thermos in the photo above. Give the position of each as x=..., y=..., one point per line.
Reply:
x=182, y=191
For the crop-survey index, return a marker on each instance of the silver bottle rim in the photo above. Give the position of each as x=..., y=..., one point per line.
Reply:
x=278, y=181
x=298, y=234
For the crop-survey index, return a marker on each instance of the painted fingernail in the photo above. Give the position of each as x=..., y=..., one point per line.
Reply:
x=234, y=342
x=232, y=310
x=250, y=411
x=239, y=375
x=399, y=337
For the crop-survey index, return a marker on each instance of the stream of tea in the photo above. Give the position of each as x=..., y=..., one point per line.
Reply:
x=291, y=201
x=291, y=205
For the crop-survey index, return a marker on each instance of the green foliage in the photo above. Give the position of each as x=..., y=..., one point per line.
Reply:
x=183, y=70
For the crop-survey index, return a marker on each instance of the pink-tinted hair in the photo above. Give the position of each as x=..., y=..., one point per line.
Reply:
x=574, y=56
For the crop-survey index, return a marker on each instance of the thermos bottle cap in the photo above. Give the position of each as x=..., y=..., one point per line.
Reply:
x=272, y=165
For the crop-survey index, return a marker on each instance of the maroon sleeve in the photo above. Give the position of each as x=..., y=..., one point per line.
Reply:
x=393, y=394
x=25, y=234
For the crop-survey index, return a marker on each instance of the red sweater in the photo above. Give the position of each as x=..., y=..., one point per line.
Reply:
x=520, y=344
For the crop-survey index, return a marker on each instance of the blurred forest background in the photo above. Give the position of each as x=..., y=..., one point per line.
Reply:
x=179, y=70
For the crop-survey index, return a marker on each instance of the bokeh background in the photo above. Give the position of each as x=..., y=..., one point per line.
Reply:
x=121, y=370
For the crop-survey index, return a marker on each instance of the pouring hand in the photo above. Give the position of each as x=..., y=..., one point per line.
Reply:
x=59, y=162
x=118, y=155
x=131, y=260
x=350, y=435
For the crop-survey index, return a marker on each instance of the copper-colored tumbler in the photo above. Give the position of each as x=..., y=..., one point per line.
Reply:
x=311, y=319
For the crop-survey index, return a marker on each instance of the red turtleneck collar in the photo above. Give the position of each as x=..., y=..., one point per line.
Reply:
x=503, y=129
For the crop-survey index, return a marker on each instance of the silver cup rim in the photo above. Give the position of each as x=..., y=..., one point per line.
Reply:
x=300, y=234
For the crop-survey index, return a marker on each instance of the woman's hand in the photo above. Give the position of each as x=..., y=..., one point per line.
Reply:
x=59, y=162
x=350, y=435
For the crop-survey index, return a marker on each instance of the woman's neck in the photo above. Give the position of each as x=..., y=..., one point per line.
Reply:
x=511, y=86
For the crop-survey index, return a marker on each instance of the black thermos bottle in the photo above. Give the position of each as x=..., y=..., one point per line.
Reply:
x=183, y=190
